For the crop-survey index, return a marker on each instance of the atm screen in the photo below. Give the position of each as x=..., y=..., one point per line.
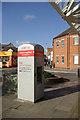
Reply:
x=39, y=74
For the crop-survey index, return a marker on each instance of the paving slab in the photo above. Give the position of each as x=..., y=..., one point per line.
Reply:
x=60, y=114
x=75, y=112
x=14, y=113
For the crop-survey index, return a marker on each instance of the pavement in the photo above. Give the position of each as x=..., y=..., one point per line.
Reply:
x=59, y=101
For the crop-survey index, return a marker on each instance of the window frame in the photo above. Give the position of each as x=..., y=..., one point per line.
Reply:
x=76, y=43
x=62, y=43
x=57, y=56
x=62, y=59
x=75, y=59
x=57, y=45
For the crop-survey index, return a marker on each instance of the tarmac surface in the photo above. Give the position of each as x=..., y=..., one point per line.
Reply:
x=59, y=101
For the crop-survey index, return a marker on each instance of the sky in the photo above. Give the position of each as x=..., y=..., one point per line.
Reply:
x=31, y=22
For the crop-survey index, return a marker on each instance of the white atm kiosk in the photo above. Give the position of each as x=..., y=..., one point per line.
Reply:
x=30, y=72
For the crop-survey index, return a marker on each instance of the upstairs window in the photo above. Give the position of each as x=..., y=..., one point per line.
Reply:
x=57, y=44
x=76, y=42
x=62, y=43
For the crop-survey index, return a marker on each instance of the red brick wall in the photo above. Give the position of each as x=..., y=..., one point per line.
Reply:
x=73, y=51
x=49, y=50
x=60, y=51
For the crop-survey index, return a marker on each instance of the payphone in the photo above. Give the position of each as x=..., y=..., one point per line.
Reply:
x=30, y=72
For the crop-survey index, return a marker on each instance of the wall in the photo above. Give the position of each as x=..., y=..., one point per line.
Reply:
x=49, y=51
x=60, y=51
x=73, y=51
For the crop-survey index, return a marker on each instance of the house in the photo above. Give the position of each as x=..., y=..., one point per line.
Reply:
x=66, y=50
x=8, y=47
x=8, y=55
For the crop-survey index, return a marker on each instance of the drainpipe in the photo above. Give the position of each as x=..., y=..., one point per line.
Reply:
x=53, y=54
x=79, y=58
x=68, y=50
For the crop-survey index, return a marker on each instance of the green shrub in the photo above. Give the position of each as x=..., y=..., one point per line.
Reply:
x=9, y=84
x=47, y=75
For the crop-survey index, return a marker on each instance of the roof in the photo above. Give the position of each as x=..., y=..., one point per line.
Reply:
x=49, y=49
x=6, y=47
x=28, y=44
x=66, y=32
x=33, y=44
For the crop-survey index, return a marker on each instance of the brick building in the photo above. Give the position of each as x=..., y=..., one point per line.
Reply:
x=8, y=55
x=66, y=50
x=50, y=55
x=49, y=51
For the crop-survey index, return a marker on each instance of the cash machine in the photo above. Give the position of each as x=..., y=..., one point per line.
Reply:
x=30, y=72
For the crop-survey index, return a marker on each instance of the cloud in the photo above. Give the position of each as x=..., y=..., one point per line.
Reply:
x=5, y=42
x=21, y=42
x=29, y=17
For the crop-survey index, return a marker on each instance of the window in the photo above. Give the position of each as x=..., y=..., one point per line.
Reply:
x=5, y=58
x=76, y=41
x=62, y=59
x=62, y=43
x=76, y=59
x=57, y=59
x=57, y=44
